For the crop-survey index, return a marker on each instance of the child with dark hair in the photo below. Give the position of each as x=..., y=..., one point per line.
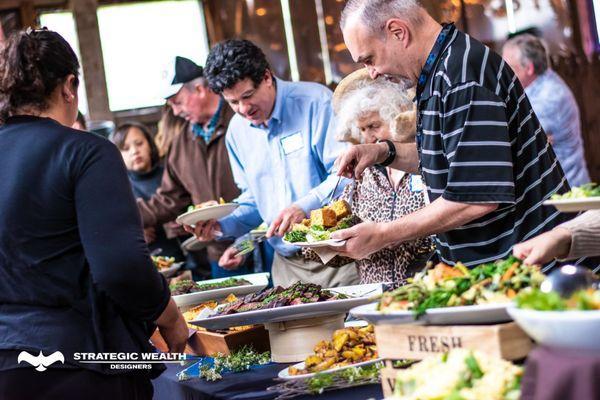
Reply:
x=75, y=275
x=80, y=123
x=145, y=171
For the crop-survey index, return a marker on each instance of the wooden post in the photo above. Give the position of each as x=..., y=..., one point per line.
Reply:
x=86, y=21
x=28, y=14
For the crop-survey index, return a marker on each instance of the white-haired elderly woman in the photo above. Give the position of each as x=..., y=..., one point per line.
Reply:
x=368, y=110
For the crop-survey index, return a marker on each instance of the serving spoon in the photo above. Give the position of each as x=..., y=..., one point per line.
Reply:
x=568, y=279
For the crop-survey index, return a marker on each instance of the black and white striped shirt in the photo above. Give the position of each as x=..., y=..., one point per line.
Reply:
x=480, y=142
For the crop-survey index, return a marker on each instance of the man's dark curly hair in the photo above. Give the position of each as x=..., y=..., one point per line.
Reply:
x=232, y=61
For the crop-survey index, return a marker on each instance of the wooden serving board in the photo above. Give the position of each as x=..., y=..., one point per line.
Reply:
x=416, y=342
x=206, y=343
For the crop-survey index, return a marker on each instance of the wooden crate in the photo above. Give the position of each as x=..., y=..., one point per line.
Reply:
x=205, y=343
x=388, y=379
x=415, y=342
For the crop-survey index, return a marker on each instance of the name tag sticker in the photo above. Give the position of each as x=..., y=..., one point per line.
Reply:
x=292, y=143
x=416, y=183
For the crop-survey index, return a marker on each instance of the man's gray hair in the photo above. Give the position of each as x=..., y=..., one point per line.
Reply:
x=533, y=50
x=374, y=13
x=191, y=85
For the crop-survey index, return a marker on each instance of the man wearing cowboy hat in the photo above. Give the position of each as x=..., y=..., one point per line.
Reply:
x=197, y=166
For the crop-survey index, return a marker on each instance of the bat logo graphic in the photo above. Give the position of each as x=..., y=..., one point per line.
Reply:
x=40, y=362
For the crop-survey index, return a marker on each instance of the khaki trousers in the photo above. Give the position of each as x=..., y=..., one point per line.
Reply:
x=288, y=270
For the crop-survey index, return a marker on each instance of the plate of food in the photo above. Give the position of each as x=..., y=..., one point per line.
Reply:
x=259, y=231
x=554, y=321
x=446, y=295
x=190, y=313
x=298, y=301
x=316, y=231
x=459, y=374
x=349, y=347
x=166, y=265
x=582, y=198
x=206, y=211
x=188, y=292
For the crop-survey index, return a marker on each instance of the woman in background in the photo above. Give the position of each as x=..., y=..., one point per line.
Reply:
x=141, y=158
x=169, y=127
x=369, y=110
x=75, y=275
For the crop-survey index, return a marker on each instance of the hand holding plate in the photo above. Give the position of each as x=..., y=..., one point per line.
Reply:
x=362, y=240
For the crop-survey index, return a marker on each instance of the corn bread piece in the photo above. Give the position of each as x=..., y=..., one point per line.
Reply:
x=341, y=208
x=324, y=217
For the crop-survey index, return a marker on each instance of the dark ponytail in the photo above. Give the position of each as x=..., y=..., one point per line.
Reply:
x=32, y=64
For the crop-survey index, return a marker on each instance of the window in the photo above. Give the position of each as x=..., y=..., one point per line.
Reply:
x=139, y=45
x=261, y=22
x=64, y=24
x=596, y=7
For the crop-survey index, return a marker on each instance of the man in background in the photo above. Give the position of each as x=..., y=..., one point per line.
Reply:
x=552, y=101
x=197, y=166
x=282, y=148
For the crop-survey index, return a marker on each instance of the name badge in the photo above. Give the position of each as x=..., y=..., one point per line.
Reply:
x=292, y=143
x=416, y=183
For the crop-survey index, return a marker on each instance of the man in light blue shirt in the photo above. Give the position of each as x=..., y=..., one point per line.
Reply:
x=552, y=101
x=282, y=148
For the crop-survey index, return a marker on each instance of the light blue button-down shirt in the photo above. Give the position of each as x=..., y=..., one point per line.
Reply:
x=556, y=108
x=290, y=161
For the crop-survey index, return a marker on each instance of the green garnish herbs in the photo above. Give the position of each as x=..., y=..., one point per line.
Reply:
x=240, y=360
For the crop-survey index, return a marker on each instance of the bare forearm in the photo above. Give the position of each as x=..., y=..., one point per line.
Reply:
x=440, y=216
x=407, y=158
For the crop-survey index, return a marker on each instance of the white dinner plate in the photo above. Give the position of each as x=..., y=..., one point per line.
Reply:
x=193, y=244
x=462, y=315
x=258, y=282
x=321, y=243
x=206, y=213
x=289, y=313
x=574, y=205
x=169, y=272
x=285, y=373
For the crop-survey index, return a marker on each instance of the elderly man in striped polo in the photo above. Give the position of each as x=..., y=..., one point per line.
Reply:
x=484, y=158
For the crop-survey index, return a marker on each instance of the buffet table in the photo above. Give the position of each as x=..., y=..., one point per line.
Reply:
x=249, y=385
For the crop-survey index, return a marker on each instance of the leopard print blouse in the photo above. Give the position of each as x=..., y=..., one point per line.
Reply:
x=374, y=199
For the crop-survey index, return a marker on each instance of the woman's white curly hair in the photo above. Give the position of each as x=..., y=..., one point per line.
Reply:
x=394, y=105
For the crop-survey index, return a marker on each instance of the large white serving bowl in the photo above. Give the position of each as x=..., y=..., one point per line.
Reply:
x=564, y=329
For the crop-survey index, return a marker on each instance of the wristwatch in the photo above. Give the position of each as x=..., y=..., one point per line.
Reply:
x=391, y=153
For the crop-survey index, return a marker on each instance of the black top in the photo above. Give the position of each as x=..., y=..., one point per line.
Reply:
x=480, y=142
x=75, y=275
x=144, y=185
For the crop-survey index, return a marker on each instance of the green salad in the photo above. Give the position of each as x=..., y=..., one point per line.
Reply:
x=582, y=300
x=446, y=286
x=316, y=233
x=581, y=192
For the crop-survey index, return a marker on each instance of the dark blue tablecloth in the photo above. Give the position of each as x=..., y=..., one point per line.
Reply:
x=249, y=385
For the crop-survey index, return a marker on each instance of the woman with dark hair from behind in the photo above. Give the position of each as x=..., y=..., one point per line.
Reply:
x=141, y=157
x=75, y=275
